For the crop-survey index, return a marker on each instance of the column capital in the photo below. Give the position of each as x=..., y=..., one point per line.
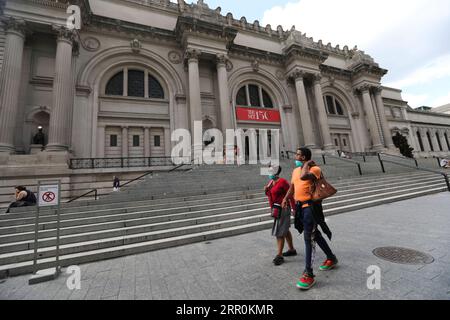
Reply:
x=297, y=74
x=221, y=60
x=193, y=55
x=18, y=26
x=317, y=77
x=64, y=34
x=377, y=89
x=364, y=88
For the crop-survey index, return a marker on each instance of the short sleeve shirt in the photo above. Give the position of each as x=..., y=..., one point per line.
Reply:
x=302, y=188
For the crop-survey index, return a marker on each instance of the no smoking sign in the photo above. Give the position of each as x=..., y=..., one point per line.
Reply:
x=48, y=195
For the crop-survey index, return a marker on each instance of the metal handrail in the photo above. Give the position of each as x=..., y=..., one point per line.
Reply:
x=151, y=172
x=342, y=159
x=83, y=195
x=399, y=157
x=447, y=181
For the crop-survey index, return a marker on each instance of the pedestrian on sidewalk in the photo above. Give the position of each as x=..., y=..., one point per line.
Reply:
x=303, y=177
x=116, y=184
x=24, y=198
x=276, y=190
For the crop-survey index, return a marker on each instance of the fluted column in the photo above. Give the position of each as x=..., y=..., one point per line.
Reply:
x=124, y=142
x=101, y=141
x=322, y=114
x=384, y=123
x=59, y=134
x=372, y=121
x=195, y=103
x=425, y=141
x=435, y=140
x=10, y=80
x=305, y=116
x=147, y=142
x=224, y=94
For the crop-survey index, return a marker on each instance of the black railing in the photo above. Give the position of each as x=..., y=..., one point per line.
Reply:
x=398, y=157
x=105, y=163
x=84, y=195
x=352, y=155
x=324, y=156
x=447, y=181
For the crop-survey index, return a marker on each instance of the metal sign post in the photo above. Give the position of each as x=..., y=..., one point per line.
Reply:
x=49, y=195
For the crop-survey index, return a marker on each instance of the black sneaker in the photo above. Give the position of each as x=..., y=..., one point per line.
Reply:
x=290, y=253
x=278, y=260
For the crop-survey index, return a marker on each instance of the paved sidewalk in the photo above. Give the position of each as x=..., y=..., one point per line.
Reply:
x=241, y=267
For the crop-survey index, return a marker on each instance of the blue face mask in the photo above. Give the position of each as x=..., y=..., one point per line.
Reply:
x=272, y=177
x=298, y=163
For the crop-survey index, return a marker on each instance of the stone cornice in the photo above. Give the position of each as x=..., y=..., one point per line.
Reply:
x=60, y=4
x=252, y=54
x=191, y=25
x=128, y=29
x=368, y=69
x=326, y=70
x=296, y=51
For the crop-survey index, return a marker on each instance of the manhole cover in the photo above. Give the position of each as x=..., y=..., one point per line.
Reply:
x=403, y=256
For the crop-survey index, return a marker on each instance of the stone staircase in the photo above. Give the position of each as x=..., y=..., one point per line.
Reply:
x=173, y=209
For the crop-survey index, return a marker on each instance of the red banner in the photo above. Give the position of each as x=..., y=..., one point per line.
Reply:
x=258, y=115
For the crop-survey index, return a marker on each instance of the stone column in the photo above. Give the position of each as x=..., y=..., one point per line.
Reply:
x=62, y=101
x=167, y=142
x=195, y=103
x=10, y=79
x=384, y=123
x=425, y=141
x=322, y=114
x=101, y=141
x=435, y=140
x=146, y=142
x=124, y=142
x=305, y=116
x=372, y=121
x=224, y=94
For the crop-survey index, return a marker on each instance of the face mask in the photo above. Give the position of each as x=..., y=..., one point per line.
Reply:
x=272, y=177
x=298, y=163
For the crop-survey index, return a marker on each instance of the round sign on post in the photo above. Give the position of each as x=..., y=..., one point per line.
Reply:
x=48, y=195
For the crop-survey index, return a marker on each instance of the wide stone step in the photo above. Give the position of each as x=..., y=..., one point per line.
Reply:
x=127, y=248
x=46, y=217
x=125, y=229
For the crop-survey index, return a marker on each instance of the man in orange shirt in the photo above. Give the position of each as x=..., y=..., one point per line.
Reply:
x=303, y=177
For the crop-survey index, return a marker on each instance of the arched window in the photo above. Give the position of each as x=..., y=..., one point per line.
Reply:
x=135, y=85
x=155, y=90
x=252, y=95
x=334, y=106
x=419, y=138
x=115, y=85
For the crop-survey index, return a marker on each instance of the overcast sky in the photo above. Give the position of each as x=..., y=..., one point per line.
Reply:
x=410, y=38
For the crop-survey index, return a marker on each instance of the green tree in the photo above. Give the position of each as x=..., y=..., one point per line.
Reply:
x=402, y=143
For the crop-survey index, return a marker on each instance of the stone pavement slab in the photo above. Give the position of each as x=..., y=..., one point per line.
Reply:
x=241, y=267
